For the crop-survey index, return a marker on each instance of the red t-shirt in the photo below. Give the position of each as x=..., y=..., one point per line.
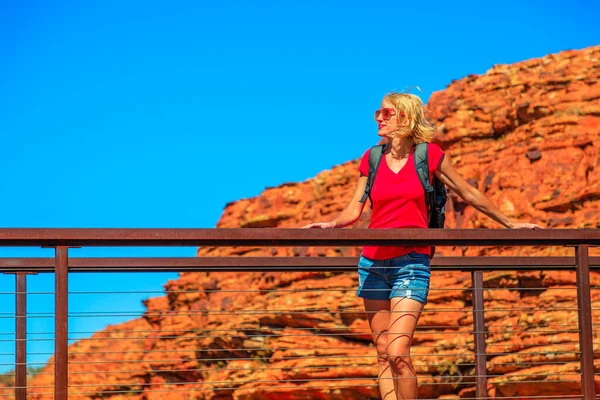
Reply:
x=398, y=201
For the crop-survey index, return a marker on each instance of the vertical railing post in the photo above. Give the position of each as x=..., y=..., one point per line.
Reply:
x=479, y=326
x=584, y=310
x=61, y=365
x=21, y=336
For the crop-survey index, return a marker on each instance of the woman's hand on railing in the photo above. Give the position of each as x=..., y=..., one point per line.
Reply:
x=322, y=225
x=524, y=225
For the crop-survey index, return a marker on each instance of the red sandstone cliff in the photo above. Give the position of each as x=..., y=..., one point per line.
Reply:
x=525, y=134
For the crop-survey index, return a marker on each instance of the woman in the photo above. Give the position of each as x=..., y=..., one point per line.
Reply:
x=394, y=281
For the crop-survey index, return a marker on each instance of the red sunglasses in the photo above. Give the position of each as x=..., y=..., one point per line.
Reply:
x=386, y=113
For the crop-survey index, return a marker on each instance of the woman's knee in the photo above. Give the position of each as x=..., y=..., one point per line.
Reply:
x=399, y=357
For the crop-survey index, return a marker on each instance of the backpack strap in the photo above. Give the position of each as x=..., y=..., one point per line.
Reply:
x=422, y=167
x=375, y=155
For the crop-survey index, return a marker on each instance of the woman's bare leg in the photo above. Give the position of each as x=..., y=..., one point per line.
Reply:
x=378, y=312
x=403, y=318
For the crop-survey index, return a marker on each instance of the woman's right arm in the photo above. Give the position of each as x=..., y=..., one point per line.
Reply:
x=351, y=213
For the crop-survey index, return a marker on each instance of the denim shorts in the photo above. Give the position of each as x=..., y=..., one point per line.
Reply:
x=405, y=276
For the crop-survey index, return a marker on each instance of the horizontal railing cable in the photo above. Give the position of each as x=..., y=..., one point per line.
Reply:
x=320, y=379
x=270, y=329
x=328, y=388
x=296, y=367
x=420, y=334
x=236, y=349
x=250, y=349
x=256, y=358
x=305, y=290
x=298, y=311
x=270, y=388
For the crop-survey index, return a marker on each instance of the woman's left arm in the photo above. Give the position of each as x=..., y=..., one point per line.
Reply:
x=452, y=179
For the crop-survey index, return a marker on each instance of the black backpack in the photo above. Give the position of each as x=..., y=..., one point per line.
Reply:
x=435, y=192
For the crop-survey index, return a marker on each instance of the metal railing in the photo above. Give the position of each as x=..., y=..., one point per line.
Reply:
x=61, y=265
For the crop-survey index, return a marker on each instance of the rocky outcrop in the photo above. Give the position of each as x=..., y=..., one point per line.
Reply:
x=527, y=135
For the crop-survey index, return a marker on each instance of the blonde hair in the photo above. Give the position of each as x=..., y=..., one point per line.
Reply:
x=419, y=129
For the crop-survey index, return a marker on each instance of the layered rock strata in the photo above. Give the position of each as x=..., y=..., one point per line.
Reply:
x=527, y=135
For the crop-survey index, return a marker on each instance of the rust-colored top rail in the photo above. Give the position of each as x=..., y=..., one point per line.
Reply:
x=294, y=237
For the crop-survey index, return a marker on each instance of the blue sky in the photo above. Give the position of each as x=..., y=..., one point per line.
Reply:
x=156, y=114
